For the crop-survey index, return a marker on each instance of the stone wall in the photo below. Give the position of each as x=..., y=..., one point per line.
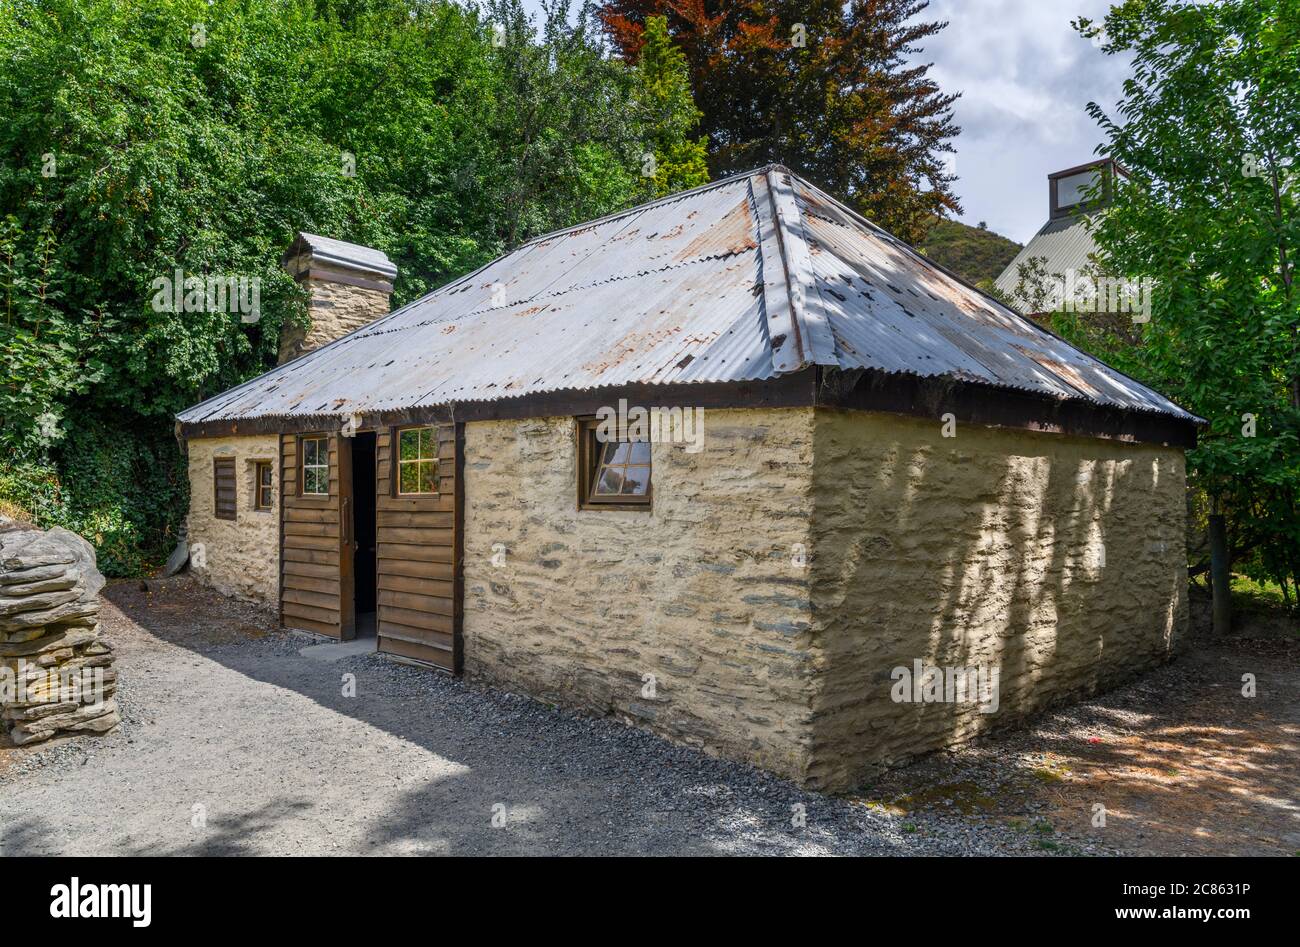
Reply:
x=335, y=310
x=980, y=551
x=1058, y=561
x=707, y=593
x=56, y=672
x=239, y=557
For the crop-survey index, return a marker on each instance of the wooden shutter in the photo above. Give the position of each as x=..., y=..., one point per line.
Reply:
x=315, y=548
x=223, y=488
x=417, y=562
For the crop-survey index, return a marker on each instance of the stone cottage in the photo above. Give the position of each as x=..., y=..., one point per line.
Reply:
x=736, y=465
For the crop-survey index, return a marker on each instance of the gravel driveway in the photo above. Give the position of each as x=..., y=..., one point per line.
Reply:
x=234, y=743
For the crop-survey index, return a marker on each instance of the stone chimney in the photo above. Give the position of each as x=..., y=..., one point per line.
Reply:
x=347, y=285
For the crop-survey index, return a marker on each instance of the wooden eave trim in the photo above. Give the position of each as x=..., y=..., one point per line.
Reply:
x=819, y=386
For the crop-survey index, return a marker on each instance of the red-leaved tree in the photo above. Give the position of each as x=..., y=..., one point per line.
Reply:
x=831, y=90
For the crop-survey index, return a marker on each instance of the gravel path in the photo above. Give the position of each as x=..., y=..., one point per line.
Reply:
x=233, y=743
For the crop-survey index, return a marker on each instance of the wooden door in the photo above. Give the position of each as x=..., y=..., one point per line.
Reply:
x=418, y=553
x=316, y=554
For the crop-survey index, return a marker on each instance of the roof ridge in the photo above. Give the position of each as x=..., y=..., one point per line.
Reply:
x=809, y=329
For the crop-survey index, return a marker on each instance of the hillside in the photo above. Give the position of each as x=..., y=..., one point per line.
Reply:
x=970, y=252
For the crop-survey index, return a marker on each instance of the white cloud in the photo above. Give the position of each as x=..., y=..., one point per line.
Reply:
x=1026, y=78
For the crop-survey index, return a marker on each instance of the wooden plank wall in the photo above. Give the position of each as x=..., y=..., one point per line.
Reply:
x=417, y=559
x=310, y=548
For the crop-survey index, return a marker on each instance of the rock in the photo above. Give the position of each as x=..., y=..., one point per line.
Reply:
x=41, y=600
x=31, y=549
x=56, y=583
x=57, y=656
x=176, y=561
x=36, y=711
x=29, y=576
x=100, y=724
x=55, y=638
x=82, y=719
x=49, y=637
x=26, y=634
x=57, y=615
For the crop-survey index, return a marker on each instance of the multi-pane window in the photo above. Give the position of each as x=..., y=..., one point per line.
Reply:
x=262, y=485
x=612, y=473
x=623, y=469
x=417, y=460
x=315, y=466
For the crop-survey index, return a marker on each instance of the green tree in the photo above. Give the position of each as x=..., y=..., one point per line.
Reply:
x=679, y=161
x=162, y=134
x=566, y=146
x=1210, y=134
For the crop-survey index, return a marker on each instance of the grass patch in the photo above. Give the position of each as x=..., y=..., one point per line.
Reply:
x=1251, y=596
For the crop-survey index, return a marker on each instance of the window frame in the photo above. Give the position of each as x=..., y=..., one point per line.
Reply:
x=588, y=460
x=395, y=462
x=258, y=486
x=218, y=464
x=302, y=466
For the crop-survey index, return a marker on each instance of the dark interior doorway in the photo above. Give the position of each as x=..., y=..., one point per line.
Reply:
x=363, y=530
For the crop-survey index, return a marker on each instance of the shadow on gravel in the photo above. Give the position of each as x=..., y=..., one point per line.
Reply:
x=1180, y=761
x=563, y=783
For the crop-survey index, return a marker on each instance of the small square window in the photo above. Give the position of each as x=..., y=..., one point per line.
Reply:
x=263, y=497
x=611, y=474
x=315, y=466
x=417, y=461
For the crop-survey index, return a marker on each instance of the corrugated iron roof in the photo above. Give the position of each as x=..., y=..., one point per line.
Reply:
x=1064, y=243
x=745, y=279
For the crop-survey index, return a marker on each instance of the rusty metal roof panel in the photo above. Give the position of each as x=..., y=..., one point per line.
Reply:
x=691, y=288
x=893, y=310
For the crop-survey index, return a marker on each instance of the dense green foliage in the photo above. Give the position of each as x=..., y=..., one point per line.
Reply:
x=1209, y=130
x=977, y=255
x=162, y=134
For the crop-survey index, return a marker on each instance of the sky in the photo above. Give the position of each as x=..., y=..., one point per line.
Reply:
x=1025, y=78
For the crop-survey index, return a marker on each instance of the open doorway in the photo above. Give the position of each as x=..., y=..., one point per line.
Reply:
x=363, y=531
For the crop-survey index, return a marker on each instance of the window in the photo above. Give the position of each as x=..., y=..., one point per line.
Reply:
x=1074, y=189
x=315, y=466
x=417, y=461
x=263, y=498
x=223, y=487
x=611, y=474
